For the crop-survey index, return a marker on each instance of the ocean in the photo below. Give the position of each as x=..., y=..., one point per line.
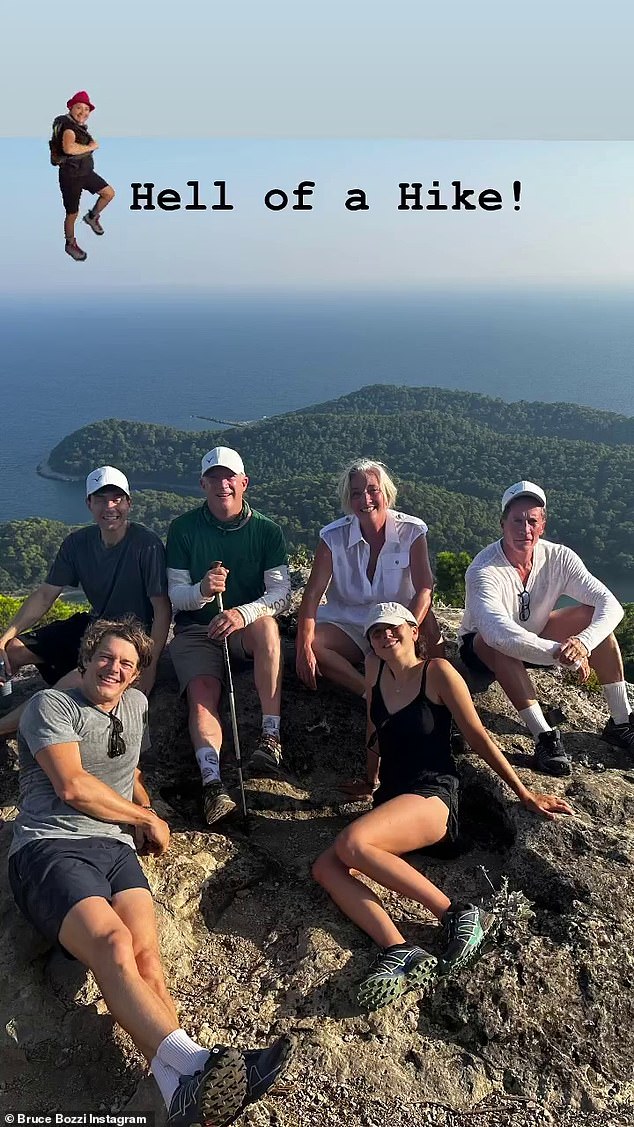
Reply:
x=166, y=358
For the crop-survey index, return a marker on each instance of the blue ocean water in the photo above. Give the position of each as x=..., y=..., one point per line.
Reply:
x=167, y=357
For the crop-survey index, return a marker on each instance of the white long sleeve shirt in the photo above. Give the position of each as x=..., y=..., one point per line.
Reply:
x=492, y=605
x=186, y=595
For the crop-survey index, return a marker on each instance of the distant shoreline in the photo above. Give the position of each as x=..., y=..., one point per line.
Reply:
x=43, y=469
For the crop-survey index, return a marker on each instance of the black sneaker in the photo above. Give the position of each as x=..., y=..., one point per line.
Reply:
x=217, y=803
x=466, y=926
x=75, y=251
x=550, y=757
x=214, y=1095
x=267, y=757
x=93, y=222
x=620, y=735
x=265, y=1067
x=394, y=971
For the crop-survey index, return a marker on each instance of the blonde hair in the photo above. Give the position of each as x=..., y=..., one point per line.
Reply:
x=366, y=465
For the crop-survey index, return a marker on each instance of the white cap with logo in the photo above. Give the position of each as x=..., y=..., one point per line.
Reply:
x=523, y=489
x=388, y=614
x=222, y=456
x=106, y=475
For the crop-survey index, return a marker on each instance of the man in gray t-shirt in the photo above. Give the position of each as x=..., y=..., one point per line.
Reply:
x=75, y=875
x=56, y=717
x=121, y=568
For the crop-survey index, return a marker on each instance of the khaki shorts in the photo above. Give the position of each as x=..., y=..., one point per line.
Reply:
x=195, y=655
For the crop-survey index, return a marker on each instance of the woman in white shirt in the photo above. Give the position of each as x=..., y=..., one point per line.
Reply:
x=373, y=554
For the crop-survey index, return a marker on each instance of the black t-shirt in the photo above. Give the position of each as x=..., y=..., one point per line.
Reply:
x=75, y=165
x=118, y=580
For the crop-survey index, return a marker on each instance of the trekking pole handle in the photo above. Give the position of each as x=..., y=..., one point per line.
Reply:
x=214, y=564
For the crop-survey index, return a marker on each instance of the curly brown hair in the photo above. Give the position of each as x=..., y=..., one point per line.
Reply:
x=129, y=629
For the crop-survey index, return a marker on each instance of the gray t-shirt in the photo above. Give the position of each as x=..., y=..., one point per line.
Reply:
x=54, y=717
x=116, y=581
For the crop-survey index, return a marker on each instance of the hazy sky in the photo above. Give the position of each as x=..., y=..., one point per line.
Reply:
x=574, y=227
x=551, y=69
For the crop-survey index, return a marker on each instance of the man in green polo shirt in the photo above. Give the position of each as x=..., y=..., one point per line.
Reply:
x=252, y=577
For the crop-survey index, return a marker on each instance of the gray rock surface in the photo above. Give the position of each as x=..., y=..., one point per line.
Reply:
x=539, y=1031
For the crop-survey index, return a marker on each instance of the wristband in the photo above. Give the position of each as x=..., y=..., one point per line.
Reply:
x=151, y=809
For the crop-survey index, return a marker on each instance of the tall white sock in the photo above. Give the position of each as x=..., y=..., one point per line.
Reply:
x=167, y=1079
x=179, y=1052
x=271, y=724
x=617, y=701
x=535, y=720
x=209, y=762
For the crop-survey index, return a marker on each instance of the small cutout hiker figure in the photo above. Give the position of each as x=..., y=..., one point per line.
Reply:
x=71, y=147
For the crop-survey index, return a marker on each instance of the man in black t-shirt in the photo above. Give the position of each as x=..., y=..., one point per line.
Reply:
x=75, y=147
x=121, y=568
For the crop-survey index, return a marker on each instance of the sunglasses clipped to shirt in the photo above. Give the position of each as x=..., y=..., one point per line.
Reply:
x=525, y=605
x=116, y=742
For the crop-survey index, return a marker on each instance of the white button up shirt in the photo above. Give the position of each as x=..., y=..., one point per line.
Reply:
x=350, y=593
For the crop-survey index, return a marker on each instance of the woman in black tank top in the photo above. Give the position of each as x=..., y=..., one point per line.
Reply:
x=410, y=705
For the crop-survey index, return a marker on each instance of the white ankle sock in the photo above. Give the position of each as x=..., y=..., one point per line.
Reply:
x=167, y=1079
x=208, y=760
x=271, y=725
x=535, y=720
x=617, y=701
x=179, y=1052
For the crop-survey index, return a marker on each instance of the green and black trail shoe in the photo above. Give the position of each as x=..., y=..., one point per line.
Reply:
x=396, y=970
x=466, y=926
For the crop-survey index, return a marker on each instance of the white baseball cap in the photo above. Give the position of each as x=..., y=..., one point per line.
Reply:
x=106, y=475
x=222, y=456
x=388, y=614
x=523, y=489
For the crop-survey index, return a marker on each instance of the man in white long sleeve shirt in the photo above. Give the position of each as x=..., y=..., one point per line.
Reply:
x=512, y=588
x=225, y=547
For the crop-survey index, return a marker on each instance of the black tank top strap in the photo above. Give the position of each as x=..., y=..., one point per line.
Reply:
x=423, y=679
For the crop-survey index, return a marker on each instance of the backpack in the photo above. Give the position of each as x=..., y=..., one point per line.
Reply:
x=56, y=152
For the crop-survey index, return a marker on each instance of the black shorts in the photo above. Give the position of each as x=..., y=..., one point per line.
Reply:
x=473, y=662
x=56, y=646
x=48, y=877
x=430, y=785
x=471, y=659
x=71, y=186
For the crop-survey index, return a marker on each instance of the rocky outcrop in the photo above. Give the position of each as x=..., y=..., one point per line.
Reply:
x=540, y=1030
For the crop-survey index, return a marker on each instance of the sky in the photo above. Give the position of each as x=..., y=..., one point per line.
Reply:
x=346, y=94
x=551, y=69
x=573, y=227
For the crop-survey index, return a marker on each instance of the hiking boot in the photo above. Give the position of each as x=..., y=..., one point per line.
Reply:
x=620, y=735
x=466, y=926
x=93, y=222
x=265, y=1067
x=75, y=251
x=267, y=757
x=550, y=757
x=217, y=803
x=214, y=1095
x=393, y=972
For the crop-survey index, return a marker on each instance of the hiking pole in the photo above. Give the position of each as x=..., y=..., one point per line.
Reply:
x=232, y=709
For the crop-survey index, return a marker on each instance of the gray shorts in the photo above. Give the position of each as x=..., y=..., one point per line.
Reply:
x=195, y=655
